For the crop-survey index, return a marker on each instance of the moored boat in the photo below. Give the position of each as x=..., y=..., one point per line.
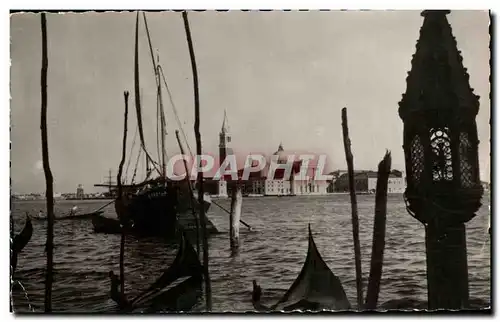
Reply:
x=315, y=289
x=106, y=225
x=177, y=289
x=71, y=216
x=20, y=241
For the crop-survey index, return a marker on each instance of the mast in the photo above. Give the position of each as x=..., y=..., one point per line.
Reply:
x=138, y=95
x=162, y=121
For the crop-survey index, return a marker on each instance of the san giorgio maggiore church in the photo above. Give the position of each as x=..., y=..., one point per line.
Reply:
x=300, y=182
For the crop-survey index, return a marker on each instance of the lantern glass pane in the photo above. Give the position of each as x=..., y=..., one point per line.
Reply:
x=417, y=159
x=442, y=169
x=466, y=175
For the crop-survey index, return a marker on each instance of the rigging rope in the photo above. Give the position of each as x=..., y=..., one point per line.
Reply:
x=158, y=127
x=162, y=120
x=131, y=149
x=160, y=70
x=136, y=164
x=158, y=84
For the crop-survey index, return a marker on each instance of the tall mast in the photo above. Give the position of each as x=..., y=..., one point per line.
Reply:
x=145, y=154
x=162, y=120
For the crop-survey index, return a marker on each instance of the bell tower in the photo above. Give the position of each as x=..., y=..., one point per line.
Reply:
x=224, y=150
x=224, y=140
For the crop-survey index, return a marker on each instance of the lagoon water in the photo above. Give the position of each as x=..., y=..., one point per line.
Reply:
x=272, y=253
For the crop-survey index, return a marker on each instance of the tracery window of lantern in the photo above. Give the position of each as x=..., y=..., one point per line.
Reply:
x=442, y=167
x=417, y=159
x=467, y=178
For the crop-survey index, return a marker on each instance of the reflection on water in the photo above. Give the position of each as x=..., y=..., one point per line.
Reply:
x=273, y=253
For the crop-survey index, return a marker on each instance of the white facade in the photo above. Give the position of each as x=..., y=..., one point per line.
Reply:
x=394, y=184
x=222, y=191
x=277, y=187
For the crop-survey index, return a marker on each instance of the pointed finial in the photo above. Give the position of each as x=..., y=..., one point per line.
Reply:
x=224, y=122
x=280, y=147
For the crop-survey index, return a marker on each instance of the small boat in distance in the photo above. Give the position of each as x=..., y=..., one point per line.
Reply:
x=71, y=216
x=315, y=289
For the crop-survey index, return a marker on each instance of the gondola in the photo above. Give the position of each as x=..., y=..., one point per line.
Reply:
x=105, y=225
x=315, y=289
x=71, y=216
x=177, y=289
x=88, y=215
x=20, y=241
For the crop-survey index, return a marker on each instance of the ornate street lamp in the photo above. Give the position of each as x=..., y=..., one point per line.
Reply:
x=441, y=153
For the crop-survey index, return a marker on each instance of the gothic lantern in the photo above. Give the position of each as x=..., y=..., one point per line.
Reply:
x=440, y=134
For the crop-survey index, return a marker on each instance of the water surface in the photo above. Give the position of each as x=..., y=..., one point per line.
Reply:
x=273, y=253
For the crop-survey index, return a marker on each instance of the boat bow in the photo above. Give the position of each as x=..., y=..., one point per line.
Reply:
x=316, y=288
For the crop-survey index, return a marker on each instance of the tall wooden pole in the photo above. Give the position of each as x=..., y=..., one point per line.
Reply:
x=378, y=242
x=201, y=201
x=123, y=218
x=49, y=194
x=354, y=206
x=234, y=218
x=191, y=195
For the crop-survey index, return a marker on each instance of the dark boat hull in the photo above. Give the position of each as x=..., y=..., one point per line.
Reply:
x=177, y=289
x=106, y=225
x=161, y=211
x=185, y=221
x=20, y=241
x=316, y=288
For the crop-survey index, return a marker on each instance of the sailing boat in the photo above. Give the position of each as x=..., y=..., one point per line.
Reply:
x=157, y=206
x=316, y=288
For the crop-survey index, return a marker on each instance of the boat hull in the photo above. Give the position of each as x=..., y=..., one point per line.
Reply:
x=153, y=215
x=106, y=225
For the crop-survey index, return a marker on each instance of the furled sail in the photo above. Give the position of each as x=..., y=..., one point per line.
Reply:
x=137, y=91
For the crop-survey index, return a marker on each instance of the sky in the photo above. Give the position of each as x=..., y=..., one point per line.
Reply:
x=282, y=77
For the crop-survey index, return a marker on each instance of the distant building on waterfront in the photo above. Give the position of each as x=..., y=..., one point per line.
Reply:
x=301, y=181
x=366, y=181
x=79, y=192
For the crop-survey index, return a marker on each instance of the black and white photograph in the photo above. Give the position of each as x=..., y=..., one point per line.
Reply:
x=250, y=161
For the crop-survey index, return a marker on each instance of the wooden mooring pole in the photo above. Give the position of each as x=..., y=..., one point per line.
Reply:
x=191, y=194
x=123, y=218
x=49, y=194
x=378, y=242
x=354, y=206
x=201, y=201
x=234, y=218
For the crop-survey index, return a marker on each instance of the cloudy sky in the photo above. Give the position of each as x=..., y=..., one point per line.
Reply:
x=281, y=77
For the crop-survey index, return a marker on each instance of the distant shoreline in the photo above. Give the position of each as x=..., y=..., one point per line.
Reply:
x=68, y=199
x=218, y=197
